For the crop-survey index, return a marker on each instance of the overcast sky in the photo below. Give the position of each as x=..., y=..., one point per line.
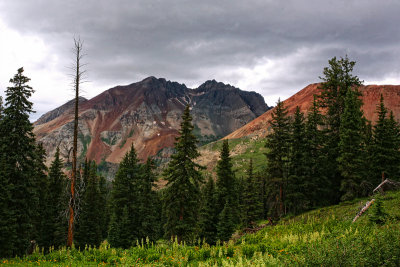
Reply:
x=272, y=47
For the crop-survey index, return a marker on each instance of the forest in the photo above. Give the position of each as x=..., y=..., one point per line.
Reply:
x=330, y=156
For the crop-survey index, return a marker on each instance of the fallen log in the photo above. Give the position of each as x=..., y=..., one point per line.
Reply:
x=367, y=205
x=386, y=184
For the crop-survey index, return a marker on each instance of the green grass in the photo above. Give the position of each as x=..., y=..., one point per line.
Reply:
x=323, y=237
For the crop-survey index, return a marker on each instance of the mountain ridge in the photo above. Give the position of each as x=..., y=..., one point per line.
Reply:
x=146, y=113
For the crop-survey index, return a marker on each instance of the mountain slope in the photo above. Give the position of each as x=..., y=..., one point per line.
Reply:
x=303, y=99
x=147, y=114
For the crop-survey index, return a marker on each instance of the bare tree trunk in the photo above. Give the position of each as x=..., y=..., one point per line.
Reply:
x=77, y=81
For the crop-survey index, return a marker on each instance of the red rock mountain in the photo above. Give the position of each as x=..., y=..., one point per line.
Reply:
x=146, y=114
x=370, y=96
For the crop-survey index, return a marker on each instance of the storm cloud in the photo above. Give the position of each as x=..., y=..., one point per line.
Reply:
x=272, y=47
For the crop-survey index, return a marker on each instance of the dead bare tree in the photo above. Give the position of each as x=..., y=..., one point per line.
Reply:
x=77, y=81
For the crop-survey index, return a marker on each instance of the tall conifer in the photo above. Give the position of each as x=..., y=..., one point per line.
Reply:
x=183, y=188
x=337, y=79
x=17, y=144
x=278, y=144
x=252, y=204
x=351, y=150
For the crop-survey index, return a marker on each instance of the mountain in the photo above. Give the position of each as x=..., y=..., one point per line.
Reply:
x=248, y=142
x=146, y=114
x=258, y=128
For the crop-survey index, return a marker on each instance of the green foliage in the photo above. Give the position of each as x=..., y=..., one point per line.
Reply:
x=378, y=214
x=85, y=140
x=252, y=203
x=323, y=237
x=20, y=162
x=208, y=219
x=55, y=225
x=385, y=146
x=278, y=143
x=351, y=148
x=183, y=187
x=337, y=80
x=91, y=214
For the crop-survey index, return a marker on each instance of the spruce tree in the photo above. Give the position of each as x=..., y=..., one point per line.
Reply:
x=57, y=204
x=225, y=185
x=351, y=150
x=337, y=79
x=278, y=144
x=103, y=206
x=90, y=218
x=8, y=232
x=124, y=225
x=317, y=186
x=17, y=144
x=226, y=225
x=149, y=215
x=208, y=217
x=42, y=185
x=183, y=187
x=296, y=198
x=252, y=205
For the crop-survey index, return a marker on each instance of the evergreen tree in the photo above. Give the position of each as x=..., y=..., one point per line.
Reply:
x=42, y=185
x=124, y=225
x=7, y=220
x=183, y=188
x=252, y=205
x=378, y=214
x=317, y=185
x=226, y=224
x=55, y=223
x=225, y=179
x=385, y=146
x=208, y=218
x=296, y=198
x=278, y=144
x=149, y=215
x=337, y=80
x=103, y=206
x=17, y=144
x=351, y=150
x=90, y=218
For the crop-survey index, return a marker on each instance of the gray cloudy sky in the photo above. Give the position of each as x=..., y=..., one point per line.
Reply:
x=272, y=47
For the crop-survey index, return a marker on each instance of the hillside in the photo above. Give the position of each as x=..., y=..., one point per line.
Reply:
x=147, y=114
x=322, y=237
x=258, y=128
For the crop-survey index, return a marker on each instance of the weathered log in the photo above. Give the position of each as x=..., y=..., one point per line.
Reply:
x=367, y=205
x=386, y=183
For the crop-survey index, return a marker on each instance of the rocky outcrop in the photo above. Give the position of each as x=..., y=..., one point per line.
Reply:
x=146, y=114
x=259, y=127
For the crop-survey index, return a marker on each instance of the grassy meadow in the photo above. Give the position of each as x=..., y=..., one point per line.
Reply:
x=322, y=237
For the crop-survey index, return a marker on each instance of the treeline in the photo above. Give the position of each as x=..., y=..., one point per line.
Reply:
x=330, y=154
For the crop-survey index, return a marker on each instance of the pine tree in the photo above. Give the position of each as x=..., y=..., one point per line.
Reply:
x=42, y=185
x=337, y=80
x=317, y=185
x=278, y=143
x=103, y=206
x=183, y=188
x=149, y=215
x=296, y=199
x=351, y=150
x=225, y=185
x=252, y=205
x=208, y=217
x=124, y=225
x=57, y=204
x=89, y=230
x=8, y=232
x=17, y=143
x=226, y=224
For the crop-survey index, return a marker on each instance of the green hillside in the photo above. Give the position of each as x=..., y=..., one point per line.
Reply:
x=322, y=237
